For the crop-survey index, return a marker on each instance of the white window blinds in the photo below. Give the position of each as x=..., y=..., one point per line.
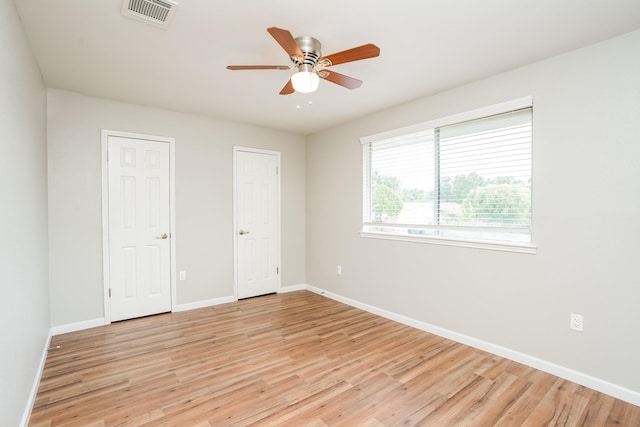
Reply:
x=467, y=180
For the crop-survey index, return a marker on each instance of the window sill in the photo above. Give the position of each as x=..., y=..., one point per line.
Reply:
x=523, y=248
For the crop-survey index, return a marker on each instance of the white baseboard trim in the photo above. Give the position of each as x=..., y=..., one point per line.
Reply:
x=203, y=304
x=293, y=288
x=86, y=324
x=36, y=383
x=78, y=326
x=586, y=380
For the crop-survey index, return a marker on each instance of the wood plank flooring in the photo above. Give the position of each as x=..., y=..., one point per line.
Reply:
x=298, y=359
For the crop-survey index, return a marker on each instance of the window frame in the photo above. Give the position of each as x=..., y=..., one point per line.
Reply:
x=504, y=107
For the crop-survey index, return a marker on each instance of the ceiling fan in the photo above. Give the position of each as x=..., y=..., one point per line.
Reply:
x=309, y=63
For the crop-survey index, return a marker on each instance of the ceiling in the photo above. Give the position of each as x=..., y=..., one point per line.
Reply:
x=427, y=46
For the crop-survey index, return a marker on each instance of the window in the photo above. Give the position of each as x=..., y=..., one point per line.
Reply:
x=462, y=178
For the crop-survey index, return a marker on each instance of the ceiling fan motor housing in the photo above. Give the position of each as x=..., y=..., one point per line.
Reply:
x=310, y=48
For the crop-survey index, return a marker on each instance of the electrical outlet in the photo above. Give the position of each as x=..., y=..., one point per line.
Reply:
x=183, y=275
x=577, y=322
x=339, y=270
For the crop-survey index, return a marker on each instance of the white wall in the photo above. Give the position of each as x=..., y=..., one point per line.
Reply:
x=204, y=240
x=586, y=221
x=24, y=318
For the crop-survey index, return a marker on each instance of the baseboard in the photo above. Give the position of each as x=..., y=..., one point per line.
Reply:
x=78, y=326
x=293, y=288
x=36, y=383
x=594, y=383
x=204, y=303
x=86, y=324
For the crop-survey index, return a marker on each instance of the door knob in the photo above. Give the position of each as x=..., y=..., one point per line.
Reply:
x=162, y=236
x=242, y=232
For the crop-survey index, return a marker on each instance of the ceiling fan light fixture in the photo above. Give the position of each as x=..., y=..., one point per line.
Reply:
x=305, y=81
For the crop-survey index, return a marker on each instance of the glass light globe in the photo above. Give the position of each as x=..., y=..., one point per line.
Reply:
x=305, y=81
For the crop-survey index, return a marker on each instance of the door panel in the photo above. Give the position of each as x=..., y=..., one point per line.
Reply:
x=258, y=228
x=139, y=224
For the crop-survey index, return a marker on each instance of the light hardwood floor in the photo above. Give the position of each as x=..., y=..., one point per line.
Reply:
x=298, y=359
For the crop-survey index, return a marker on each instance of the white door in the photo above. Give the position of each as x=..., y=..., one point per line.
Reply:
x=139, y=227
x=257, y=231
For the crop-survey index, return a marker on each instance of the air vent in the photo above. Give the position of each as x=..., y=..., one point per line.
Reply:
x=156, y=12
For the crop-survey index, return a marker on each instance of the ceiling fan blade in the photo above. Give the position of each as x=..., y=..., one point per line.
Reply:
x=287, y=89
x=354, y=54
x=286, y=40
x=258, y=67
x=340, y=79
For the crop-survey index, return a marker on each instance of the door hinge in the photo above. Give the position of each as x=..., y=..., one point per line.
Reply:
x=277, y=270
x=276, y=170
x=109, y=292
